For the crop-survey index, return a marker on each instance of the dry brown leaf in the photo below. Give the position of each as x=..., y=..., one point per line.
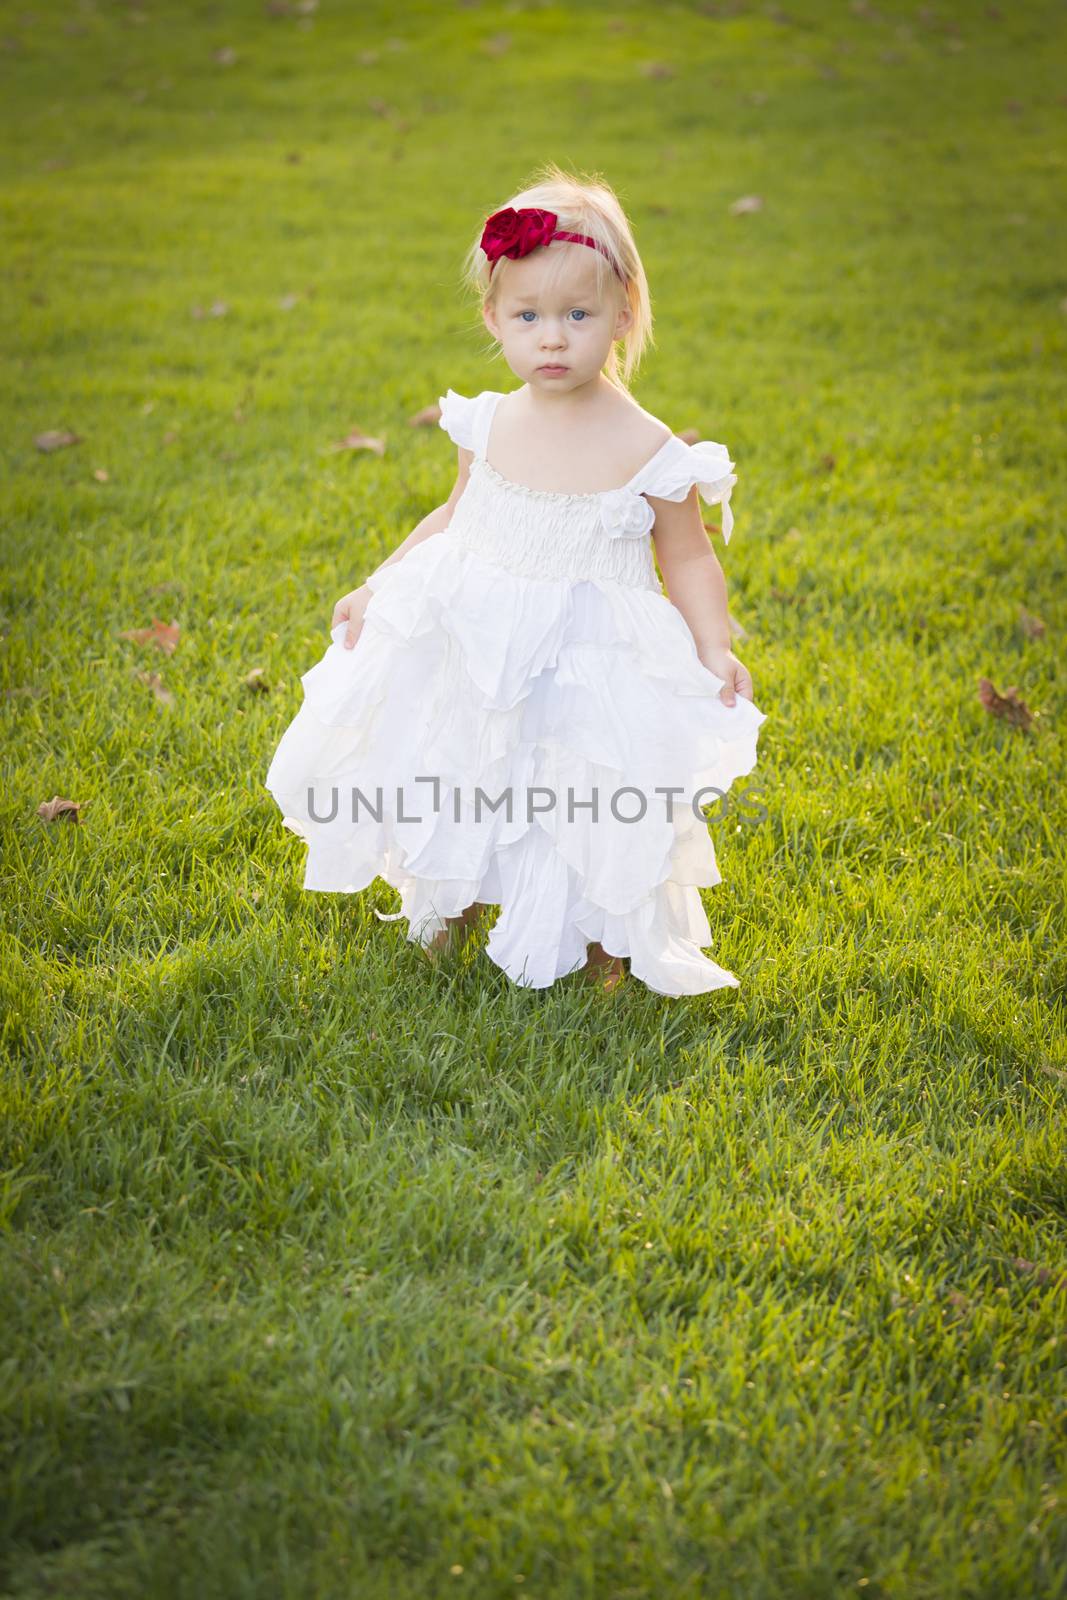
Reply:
x=100, y=474
x=164, y=635
x=1006, y=705
x=56, y=439
x=356, y=440
x=713, y=527
x=255, y=680
x=1032, y=626
x=428, y=417
x=746, y=203
x=155, y=683
x=1042, y=1274
x=56, y=807
x=690, y=435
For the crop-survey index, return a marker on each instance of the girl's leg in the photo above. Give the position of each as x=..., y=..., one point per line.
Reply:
x=604, y=970
x=454, y=925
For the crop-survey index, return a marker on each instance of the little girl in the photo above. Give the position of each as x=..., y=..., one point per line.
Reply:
x=512, y=712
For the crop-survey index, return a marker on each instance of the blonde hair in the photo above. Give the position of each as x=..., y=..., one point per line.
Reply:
x=583, y=205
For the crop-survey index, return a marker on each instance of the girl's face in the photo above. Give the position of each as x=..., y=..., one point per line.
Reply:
x=556, y=338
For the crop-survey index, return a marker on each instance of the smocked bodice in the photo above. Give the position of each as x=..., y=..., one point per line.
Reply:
x=544, y=533
x=538, y=533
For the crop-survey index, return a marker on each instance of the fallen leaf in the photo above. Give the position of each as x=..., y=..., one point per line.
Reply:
x=100, y=474
x=163, y=634
x=355, y=440
x=1032, y=626
x=56, y=439
x=1042, y=1274
x=713, y=527
x=1006, y=705
x=51, y=809
x=428, y=417
x=746, y=203
x=155, y=683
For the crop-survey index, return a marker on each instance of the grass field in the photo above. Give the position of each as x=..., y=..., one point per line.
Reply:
x=324, y=1274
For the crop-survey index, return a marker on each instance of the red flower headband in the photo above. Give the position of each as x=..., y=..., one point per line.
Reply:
x=515, y=233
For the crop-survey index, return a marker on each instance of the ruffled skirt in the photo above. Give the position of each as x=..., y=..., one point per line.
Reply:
x=500, y=739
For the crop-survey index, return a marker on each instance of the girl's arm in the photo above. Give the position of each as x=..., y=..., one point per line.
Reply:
x=696, y=584
x=350, y=607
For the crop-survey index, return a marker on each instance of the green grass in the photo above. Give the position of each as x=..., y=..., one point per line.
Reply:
x=324, y=1274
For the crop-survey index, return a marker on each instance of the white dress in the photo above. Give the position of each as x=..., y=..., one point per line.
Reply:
x=525, y=660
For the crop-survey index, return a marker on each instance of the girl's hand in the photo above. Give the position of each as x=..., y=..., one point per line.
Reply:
x=724, y=664
x=350, y=609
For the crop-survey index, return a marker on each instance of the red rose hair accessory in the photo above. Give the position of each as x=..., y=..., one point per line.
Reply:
x=514, y=233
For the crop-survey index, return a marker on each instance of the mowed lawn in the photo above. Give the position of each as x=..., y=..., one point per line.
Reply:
x=323, y=1273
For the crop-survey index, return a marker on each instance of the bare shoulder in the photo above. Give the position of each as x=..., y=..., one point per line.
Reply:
x=637, y=425
x=638, y=433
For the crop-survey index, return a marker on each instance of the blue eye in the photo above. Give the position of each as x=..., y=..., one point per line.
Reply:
x=524, y=314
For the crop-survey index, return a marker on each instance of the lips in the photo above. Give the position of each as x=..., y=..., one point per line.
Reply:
x=552, y=366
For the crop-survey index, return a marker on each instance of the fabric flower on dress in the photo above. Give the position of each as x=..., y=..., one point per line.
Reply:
x=625, y=514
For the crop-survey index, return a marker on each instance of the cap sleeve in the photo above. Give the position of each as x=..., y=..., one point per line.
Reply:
x=457, y=418
x=706, y=464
